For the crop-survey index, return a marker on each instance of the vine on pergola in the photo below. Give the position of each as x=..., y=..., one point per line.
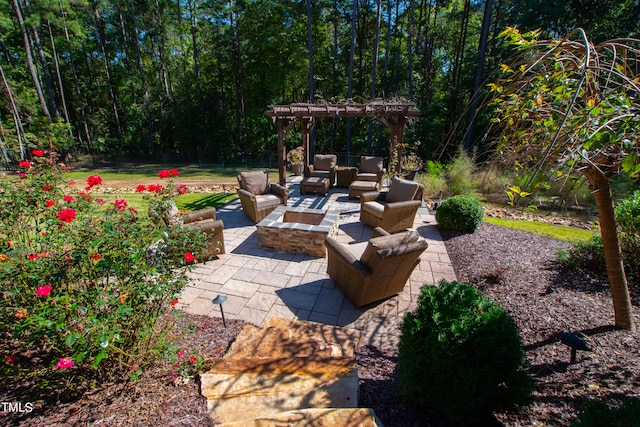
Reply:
x=568, y=104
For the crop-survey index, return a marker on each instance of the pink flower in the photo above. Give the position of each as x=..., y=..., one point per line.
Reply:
x=120, y=204
x=64, y=363
x=49, y=203
x=101, y=201
x=12, y=359
x=189, y=257
x=22, y=175
x=174, y=172
x=182, y=189
x=44, y=291
x=94, y=180
x=180, y=353
x=66, y=215
x=37, y=153
x=164, y=173
x=140, y=188
x=68, y=199
x=72, y=181
x=25, y=164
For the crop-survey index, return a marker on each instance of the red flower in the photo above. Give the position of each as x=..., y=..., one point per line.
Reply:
x=188, y=257
x=31, y=257
x=12, y=359
x=37, y=153
x=64, y=363
x=173, y=304
x=44, y=291
x=25, y=164
x=95, y=257
x=180, y=353
x=66, y=215
x=101, y=201
x=68, y=199
x=140, y=188
x=94, y=180
x=182, y=189
x=164, y=173
x=174, y=172
x=192, y=359
x=49, y=203
x=120, y=204
x=84, y=195
x=155, y=188
x=47, y=187
x=22, y=175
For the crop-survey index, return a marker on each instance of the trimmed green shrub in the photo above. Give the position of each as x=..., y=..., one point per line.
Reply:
x=596, y=414
x=460, y=213
x=460, y=354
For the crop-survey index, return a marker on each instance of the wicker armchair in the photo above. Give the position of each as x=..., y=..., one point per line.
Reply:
x=258, y=196
x=371, y=169
x=393, y=210
x=324, y=166
x=380, y=272
x=204, y=220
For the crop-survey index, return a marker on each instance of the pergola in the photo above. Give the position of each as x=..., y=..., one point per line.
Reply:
x=393, y=114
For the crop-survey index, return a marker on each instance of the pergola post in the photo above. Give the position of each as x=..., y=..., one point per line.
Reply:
x=307, y=127
x=282, y=151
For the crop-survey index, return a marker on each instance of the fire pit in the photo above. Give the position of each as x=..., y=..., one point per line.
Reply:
x=297, y=230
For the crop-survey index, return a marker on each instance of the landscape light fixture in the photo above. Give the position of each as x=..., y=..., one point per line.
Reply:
x=218, y=301
x=575, y=343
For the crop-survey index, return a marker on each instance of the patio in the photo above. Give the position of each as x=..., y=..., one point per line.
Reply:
x=261, y=283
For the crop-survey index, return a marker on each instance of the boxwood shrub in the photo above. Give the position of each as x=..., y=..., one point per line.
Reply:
x=460, y=213
x=460, y=354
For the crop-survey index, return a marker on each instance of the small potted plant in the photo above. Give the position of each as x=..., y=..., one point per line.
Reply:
x=295, y=158
x=411, y=164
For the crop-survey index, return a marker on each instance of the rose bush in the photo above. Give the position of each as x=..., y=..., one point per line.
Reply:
x=88, y=286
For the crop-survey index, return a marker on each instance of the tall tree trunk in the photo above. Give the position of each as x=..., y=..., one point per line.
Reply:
x=456, y=73
x=56, y=62
x=237, y=62
x=14, y=112
x=599, y=185
x=312, y=88
x=53, y=105
x=374, y=70
x=352, y=51
x=29, y=57
x=410, y=47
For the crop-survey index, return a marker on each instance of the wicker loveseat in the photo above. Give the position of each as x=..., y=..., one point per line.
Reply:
x=324, y=166
x=204, y=220
x=258, y=196
x=380, y=272
x=393, y=210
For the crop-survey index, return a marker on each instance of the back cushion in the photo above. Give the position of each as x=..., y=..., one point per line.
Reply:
x=386, y=242
x=255, y=182
x=369, y=164
x=401, y=190
x=324, y=162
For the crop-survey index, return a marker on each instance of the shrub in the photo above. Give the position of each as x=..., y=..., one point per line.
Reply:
x=460, y=354
x=79, y=281
x=433, y=180
x=460, y=213
x=461, y=174
x=596, y=414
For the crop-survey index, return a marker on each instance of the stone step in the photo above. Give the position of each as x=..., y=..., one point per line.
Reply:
x=329, y=417
x=280, y=337
x=284, y=366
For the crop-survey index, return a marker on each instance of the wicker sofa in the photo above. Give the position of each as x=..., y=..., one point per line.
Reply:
x=324, y=166
x=257, y=196
x=168, y=214
x=380, y=272
x=393, y=210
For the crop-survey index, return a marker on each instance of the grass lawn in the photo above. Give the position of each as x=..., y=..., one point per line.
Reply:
x=567, y=234
x=189, y=202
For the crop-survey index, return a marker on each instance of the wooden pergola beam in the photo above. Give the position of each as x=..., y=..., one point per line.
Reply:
x=394, y=115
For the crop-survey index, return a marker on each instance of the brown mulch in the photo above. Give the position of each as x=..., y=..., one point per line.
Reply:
x=517, y=269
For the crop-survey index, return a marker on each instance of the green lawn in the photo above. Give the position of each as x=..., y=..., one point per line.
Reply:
x=555, y=231
x=189, y=202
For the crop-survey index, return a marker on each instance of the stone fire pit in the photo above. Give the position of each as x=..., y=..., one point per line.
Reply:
x=297, y=230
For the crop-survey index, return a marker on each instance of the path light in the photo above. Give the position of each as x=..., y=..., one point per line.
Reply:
x=575, y=342
x=218, y=301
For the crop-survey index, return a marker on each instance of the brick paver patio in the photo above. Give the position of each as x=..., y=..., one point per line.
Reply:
x=260, y=283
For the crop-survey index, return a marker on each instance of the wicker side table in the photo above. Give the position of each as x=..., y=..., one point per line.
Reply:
x=345, y=175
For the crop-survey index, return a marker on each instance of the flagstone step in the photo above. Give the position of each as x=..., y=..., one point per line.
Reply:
x=287, y=365
x=343, y=417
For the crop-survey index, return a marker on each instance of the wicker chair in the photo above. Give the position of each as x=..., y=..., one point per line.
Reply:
x=371, y=169
x=393, y=210
x=380, y=272
x=203, y=220
x=324, y=166
x=258, y=196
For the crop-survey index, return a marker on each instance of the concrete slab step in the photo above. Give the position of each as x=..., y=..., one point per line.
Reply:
x=343, y=417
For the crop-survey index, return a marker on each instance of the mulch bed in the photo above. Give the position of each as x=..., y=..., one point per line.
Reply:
x=517, y=269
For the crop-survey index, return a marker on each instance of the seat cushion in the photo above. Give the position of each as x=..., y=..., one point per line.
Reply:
x=368, y=177
x=386, y=242
x=267, y=200
x=324, y=162
x=255, y=182
x=320, y=174
x=374, y=208
x=370, y=164
x=401, y=190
